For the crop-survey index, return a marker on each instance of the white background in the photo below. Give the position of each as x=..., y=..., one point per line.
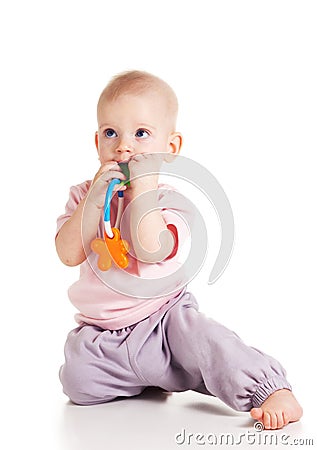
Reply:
x=245, y=74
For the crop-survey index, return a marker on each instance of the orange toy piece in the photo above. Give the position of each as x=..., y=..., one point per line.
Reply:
x=99, y=246
x=110, y=249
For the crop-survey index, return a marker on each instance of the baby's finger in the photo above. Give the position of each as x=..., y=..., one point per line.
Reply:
x=111, y=165
x=120, y=187
x=106, y=168
x=110, y=175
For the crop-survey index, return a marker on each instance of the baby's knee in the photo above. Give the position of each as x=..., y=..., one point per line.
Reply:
x=81, y=386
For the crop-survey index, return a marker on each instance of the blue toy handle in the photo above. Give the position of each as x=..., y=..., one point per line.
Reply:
x=108, y=198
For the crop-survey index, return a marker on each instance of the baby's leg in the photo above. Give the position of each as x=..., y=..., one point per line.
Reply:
x=243, y=377
x=97, y=367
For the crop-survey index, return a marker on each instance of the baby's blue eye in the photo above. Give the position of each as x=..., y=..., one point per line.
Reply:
x=142, y=133
x=110, y=133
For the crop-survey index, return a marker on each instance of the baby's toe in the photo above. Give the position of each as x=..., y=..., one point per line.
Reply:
x=286, y=417
x=273, y=420
x=267, y=420
x=256, y=413
x=280, y=420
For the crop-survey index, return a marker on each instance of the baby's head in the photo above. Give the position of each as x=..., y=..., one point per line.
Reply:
x=136, y=113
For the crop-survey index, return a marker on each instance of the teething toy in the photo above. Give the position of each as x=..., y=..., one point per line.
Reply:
x=112, y=247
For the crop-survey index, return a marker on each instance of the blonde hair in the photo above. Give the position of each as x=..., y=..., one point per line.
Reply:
x=138, y=82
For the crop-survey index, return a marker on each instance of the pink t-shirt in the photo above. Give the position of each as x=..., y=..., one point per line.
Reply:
x=105, y=299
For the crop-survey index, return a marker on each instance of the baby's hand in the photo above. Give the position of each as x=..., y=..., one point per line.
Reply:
x=144, y=170
x=98, y=188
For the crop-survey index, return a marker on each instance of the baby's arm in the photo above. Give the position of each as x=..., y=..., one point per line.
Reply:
x=69, y=241
x=152, y=241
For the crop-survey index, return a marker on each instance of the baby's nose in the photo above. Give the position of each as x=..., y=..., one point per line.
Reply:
x=125, y=147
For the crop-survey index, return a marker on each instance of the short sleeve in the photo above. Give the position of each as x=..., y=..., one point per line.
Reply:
x=177, y=217
x=76, y=194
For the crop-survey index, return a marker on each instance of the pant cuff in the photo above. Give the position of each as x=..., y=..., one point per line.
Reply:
x=267, y=388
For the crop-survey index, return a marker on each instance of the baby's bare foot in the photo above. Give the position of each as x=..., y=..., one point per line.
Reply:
x=278, y=410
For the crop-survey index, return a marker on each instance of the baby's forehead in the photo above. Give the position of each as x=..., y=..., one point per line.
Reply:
x=155, y=95
x=147, y=108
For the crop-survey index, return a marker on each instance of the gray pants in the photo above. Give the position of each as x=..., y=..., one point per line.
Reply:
x=177, y=348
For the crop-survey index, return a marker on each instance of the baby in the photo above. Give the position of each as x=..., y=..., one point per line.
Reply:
x=125, y=343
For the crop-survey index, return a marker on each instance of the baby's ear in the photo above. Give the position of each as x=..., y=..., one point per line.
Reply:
x=174, y=145
x=97, y=140
x=97, y=144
